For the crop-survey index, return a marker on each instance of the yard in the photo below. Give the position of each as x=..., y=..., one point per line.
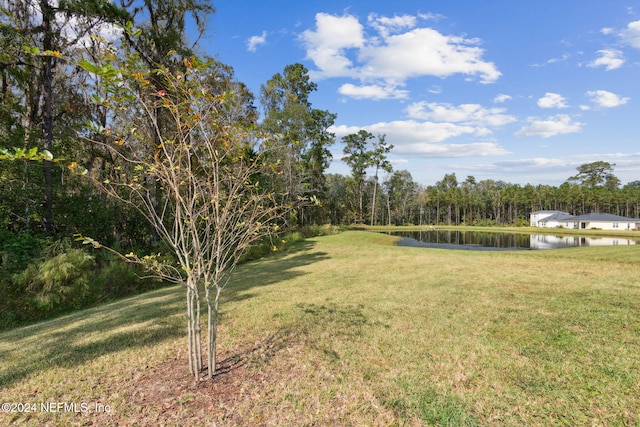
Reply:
x=352, y=330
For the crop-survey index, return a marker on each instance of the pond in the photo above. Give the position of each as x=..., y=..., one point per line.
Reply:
x=490, y=240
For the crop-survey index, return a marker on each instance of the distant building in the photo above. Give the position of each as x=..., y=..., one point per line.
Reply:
x=604, y=221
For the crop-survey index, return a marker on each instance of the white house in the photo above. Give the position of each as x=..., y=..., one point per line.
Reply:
x=549, y=219
x=603, y=221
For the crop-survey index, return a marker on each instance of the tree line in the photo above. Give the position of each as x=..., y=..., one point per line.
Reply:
x=402, y=201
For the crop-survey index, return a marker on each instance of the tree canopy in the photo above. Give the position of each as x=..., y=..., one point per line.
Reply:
x=595, y=174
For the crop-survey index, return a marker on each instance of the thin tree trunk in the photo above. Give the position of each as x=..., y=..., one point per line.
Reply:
x=193, y=331
x=213, y=335
x=212, y=328
x=190, y=333
x=198, y=335
x=373, y=204
x=47, y=115
x=360, y=217
x=388, y=210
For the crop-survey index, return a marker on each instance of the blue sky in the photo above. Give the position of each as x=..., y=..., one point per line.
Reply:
x=517, y=91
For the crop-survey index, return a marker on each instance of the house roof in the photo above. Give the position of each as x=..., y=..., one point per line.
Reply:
x=548, y=211
x=558, y=216
x=604, y=217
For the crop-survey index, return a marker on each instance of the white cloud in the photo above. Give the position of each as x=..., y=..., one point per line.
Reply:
x=501, y=97
x=385, y=25
x=536, y=162
x=431, y=16
x=552, y=100
x=433, y=123
x=631, y=35
x=538, y=170
x=327, y=44
x=373, y=92
x=413, y=138
x=552, y=170
x=410, y=131
x=254, y=41
x=610, y=59
x=450, y=151
x=399, y=161
x=556, y=125
x=606, y=99
x=424, y=51
x=470, y=114
x=339, y=47
x=564, y=57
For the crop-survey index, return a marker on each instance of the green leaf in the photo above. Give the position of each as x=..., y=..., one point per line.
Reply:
x=97, y=99
x=88, y=66
x=95, y=126
x=31, y=50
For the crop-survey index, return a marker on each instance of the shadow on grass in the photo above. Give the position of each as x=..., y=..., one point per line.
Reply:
x=141, y=321
x=271, y=270
x=314, y=326
x=68, y=341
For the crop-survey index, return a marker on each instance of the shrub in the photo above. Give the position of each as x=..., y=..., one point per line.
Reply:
x=286, y=240
x=17, y=251
x=40, y=280
x=117, y=279
x=319, y=230
x=58, y=283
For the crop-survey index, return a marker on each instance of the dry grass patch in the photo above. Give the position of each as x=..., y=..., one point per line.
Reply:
x=352, y=330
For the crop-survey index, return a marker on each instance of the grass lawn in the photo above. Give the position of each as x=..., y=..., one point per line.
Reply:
x=352, y=330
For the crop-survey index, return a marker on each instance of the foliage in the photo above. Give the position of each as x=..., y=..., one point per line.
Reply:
x=319, y=230
x=490, y=202
x=58, y=281
x=46, y=101
x=303, y=137
x=358, y=157
x=402, y=198
x=286, y=241
x=379, y=159
x=595, y=174
x=40, y=279
x=162, y=30
x=16, y=251
x=200, y=178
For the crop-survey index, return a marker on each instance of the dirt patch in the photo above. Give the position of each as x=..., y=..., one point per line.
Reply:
x=166, y=394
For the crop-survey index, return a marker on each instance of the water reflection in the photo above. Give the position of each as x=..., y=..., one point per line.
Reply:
x=483, y=240
x=540, y=241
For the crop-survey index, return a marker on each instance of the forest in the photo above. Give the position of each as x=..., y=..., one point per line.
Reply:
x=115, y=128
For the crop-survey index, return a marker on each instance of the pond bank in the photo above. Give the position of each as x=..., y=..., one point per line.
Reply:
x=410, y=242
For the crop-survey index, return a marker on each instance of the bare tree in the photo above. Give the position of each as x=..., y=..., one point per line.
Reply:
x=213, y=171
